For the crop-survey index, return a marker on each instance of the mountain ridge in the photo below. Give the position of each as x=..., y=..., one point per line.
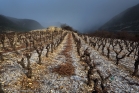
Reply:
x=15, y=24
x=127, y=20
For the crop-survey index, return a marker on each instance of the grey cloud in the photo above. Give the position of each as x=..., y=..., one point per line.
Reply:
x=80, y=14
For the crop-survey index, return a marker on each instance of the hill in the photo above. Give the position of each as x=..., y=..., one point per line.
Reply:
x=128, y=20
x=14, y=24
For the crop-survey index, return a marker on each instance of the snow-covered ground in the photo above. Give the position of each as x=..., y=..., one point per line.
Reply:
x=44, y=80
x=121, y=81
x=14, y=80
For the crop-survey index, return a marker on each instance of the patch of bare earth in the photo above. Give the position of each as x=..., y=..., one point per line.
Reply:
x=66, y=69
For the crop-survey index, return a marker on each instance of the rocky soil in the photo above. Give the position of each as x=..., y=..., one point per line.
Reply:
x=63, y=71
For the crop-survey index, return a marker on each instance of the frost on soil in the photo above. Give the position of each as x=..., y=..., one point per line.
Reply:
x=63, y=71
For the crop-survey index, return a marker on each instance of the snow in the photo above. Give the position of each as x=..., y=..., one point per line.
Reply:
x=12, y=74
x=120, y=81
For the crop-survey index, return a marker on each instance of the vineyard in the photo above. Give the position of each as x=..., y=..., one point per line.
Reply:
x=62, y=61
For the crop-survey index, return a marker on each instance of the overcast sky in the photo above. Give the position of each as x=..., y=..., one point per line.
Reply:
x=80, y=14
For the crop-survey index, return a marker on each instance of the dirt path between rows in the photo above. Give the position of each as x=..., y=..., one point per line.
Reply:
x=66, y=68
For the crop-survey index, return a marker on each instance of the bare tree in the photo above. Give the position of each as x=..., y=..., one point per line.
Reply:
x=1, y=91
x=108, y=52
x=12, y=41
x=29, y=73
x=130, y=48
x=86, y=55
x=136, y=66
x=78, y=46
x=21, y=63
x=47, y=47
x=1, y=56
x=118, y=53
x=2, y=39
x=99, y=45
x=103, y=45
x=39, y=52
x=103, y=81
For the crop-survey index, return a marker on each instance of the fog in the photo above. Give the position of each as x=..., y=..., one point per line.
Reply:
x=82, y=15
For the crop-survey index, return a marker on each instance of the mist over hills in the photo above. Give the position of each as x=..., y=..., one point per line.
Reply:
x=128, y=20
x=14, y=24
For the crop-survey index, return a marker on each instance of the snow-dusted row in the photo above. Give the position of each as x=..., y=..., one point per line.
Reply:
x=118, y=80
x=18, y=63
